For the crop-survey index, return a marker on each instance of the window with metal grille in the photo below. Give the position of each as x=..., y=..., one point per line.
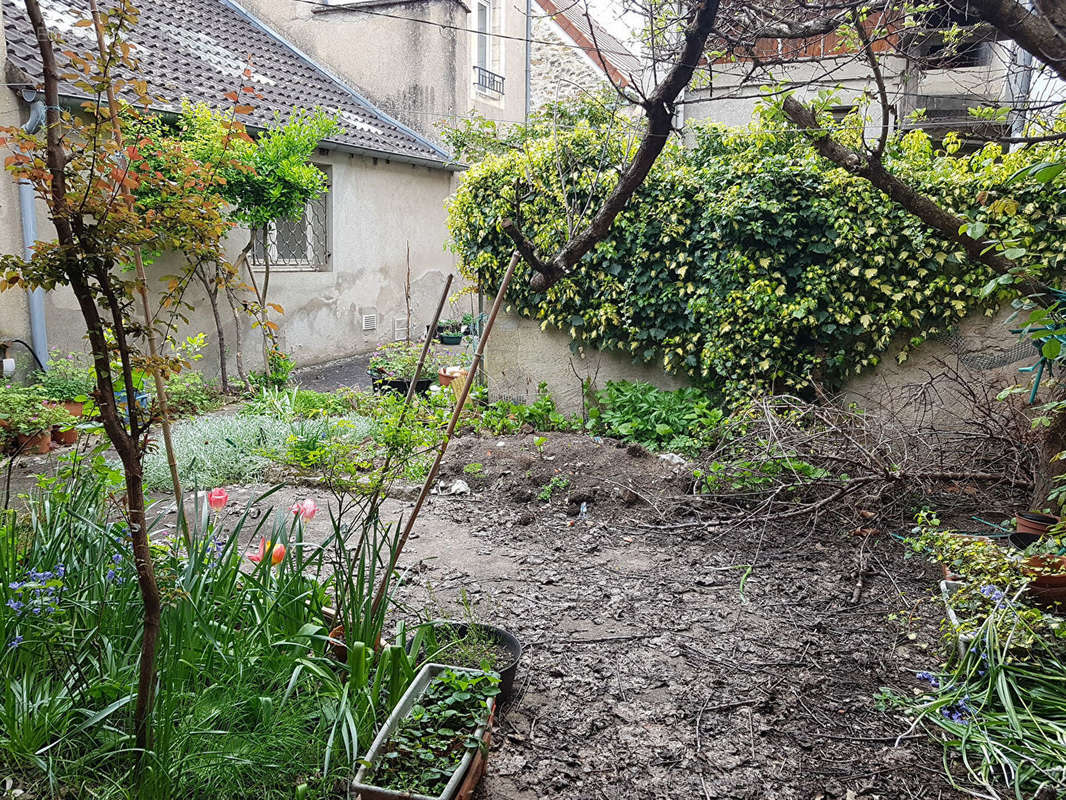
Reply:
x=297, y=244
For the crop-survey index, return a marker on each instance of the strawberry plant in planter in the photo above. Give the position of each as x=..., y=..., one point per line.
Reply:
x=434, y=741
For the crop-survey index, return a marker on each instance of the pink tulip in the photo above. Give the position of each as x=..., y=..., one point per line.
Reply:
x=217, y=499
x=306, y=509
x=276, y=552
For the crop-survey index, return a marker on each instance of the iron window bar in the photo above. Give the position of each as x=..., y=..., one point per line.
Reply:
x=488, y=80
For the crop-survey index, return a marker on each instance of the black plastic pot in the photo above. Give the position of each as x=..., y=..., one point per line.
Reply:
x=450, y=338
x=504, y=638
x=1030, y=527
x=400, y=385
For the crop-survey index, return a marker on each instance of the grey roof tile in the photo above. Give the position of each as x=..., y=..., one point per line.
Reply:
x=197, y=49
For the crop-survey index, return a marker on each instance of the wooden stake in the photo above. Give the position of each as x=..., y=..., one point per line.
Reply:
x=379, y=597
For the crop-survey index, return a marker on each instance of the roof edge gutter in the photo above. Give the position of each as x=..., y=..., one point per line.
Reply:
x=449, y=166
x=28, y=216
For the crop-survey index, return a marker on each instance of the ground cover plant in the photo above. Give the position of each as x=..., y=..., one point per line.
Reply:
x=217, y=450
x=426, y=748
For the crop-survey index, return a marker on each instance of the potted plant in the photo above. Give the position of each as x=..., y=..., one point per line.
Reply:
x=451, y=366
x=67, y=381
x=393, y=365
x=434, y=744
x=472, y=645
x=1029, y=526
x=31, y=420
x=1044, y=563
x=450, y=331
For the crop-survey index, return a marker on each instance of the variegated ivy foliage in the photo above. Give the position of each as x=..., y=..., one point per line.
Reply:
x=745, y=261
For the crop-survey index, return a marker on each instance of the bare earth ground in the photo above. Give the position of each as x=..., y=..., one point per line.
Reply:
x=649, y=670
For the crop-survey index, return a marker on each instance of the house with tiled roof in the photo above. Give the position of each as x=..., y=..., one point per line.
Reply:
x=392, y=72
x=345, y=273
x=572, y=54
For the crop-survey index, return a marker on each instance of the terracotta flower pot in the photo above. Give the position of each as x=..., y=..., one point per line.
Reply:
x=74, y=408
x=39, y=443
x=1047, y=587
x=444, y=378
x=64, y=437
x=337, y=648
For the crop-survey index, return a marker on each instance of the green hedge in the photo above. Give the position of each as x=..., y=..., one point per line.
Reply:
x=745, y=261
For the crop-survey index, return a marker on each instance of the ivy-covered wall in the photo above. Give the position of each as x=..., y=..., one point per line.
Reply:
x=746, y=262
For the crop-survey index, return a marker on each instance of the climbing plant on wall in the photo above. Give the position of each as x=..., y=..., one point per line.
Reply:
x=744, y=261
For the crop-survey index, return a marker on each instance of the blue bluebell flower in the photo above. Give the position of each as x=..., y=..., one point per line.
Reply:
x=60, y=570
x=14, y=643
x=15, y=605
x=116, y=558
x=992, y=593
x=929, y=678
x=110, y=576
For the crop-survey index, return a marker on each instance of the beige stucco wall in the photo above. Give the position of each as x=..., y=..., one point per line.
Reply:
x=939, y=381
x=924, y=388
x=410, y=69
x=413, y=60
x=519, y=356
x=379, y=208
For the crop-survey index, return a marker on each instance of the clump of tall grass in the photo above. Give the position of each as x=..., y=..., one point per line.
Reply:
x=249, y=702
x=1000, y=709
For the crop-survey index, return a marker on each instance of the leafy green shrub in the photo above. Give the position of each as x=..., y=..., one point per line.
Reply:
x=746, y=262
x=189, y=393
x=217, y=451
x=292, y=404
x=68, y=378
x=683, y=421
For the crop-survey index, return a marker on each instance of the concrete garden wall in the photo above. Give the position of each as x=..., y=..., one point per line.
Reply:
x=520, y=356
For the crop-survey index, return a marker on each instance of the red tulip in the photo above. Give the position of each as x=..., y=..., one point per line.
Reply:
x=275, y=551
x=217, y=499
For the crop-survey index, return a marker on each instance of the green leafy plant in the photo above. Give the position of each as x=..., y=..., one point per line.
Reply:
x=189, y=393
x=557, y=483
x=279, y=366
x=68, y=378
x=397, y=361
x=426, y=748
x=684, y=421
x=474, y=468
x=23, y=411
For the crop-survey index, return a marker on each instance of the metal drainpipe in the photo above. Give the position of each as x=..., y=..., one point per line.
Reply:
x=28, y=213
x=529, y=45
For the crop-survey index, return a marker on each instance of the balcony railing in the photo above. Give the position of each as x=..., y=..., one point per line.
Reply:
x=488, y=80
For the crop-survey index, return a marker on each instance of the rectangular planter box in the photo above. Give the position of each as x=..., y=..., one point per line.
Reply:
x=466, y=775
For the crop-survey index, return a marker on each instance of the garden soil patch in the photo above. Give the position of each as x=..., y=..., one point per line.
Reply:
x=668, y=656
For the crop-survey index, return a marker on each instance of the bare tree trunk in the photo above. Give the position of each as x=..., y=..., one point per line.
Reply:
x=211, y=288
